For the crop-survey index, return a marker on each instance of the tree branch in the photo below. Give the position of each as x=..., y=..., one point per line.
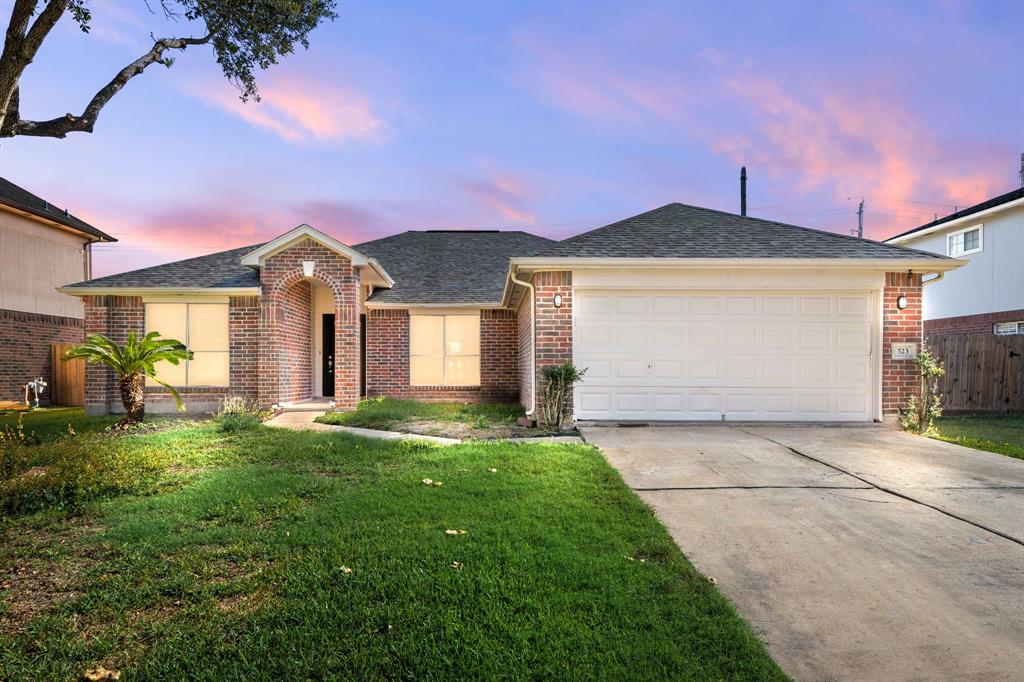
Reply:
x=20, y=47
x=69, y=123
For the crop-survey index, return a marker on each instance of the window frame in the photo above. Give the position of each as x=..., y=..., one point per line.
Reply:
x=444, y=350
x=981, y=240
x=187, y=341
x=1018, y=329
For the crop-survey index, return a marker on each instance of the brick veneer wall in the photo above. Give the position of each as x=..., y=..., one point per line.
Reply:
x=244, y=334
x=296, y=343
x=983, y=323
x=553, y=326
x=112, y=316
x=25, y=340
x=387, y=359
x=900, y=378
x=524, y=332
x=115, y=316
x=282, y=272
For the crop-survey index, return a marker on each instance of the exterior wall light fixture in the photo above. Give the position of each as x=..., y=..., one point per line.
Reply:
x=307, y=268
x=901, y=302
x=557, y=300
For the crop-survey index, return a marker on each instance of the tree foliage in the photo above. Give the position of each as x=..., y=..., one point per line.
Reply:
x=132, y=363
x=246, y=36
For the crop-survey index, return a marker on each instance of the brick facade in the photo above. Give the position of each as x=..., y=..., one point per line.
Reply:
x=286, y=325
x=387, y=359
x=983, y=323
x=553, y=326
x=25, y=340
x=900, y=378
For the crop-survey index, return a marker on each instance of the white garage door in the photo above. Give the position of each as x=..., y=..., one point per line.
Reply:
x=669, y=355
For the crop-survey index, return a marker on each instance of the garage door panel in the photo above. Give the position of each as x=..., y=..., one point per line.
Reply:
x=746, y=355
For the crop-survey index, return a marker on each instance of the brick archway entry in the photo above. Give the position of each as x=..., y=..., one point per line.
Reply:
x=286, y=348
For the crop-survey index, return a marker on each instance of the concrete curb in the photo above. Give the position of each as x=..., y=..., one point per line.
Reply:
x=390, y=435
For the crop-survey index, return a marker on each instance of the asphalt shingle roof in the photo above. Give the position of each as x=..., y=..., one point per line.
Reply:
x=681, y=231
x=215, y=271
x=440, y=266
x=971, y=210
x=21, y=198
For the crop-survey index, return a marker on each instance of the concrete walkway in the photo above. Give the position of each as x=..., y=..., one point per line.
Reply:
x=304, y=420
x=856, y=553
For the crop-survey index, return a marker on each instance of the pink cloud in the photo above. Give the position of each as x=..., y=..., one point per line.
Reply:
x=299, y=109
x=507, y=195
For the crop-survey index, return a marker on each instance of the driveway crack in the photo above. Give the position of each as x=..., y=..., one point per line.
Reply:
x=884, y=489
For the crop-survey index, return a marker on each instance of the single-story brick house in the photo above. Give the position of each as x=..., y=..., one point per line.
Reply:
x=680, y=313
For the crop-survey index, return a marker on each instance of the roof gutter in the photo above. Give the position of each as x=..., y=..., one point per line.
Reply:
x=973, y=217
x=533, y=338
x=916, y=265
x=144, y=291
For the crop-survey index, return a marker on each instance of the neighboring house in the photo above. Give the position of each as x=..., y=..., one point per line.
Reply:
x=42, y=247
x=678, y=313
x=987, y=295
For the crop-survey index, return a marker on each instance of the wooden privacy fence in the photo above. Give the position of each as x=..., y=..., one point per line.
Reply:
x=68, y=386
x=984, y=372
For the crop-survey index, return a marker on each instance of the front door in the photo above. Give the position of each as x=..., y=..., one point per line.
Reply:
x=328, y=363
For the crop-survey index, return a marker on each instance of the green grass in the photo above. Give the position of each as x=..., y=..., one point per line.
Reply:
x=49, y=422
x=1003, y=434
x=234, y=566
x=387, y=413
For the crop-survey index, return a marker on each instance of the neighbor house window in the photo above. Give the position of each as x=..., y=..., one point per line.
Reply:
x=1009, y=328
x=444, y=350
x=203, y=328
x=964, y=242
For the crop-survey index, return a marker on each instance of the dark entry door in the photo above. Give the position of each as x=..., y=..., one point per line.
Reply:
x=328, y=350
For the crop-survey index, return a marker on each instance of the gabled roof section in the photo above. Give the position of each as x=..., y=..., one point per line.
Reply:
x=987, y=206
x=256, y=257
x=223, y=270
x=448, y=267
x=679, y=231
x=20, y=199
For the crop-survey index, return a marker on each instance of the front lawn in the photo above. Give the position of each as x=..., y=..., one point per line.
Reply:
x=271, y=554
x=999, y=433
x=454, y=420
x=48, y=422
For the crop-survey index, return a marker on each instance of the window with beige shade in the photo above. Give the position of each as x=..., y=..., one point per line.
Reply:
x=444, y=350
x=203, y=328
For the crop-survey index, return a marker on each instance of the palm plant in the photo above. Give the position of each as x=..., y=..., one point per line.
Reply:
x=132, y=363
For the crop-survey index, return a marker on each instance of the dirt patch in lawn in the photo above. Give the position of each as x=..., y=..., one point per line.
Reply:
x=39, y=568
x=464, y=431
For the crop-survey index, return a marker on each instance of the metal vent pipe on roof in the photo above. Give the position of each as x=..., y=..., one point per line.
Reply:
x=743, y=191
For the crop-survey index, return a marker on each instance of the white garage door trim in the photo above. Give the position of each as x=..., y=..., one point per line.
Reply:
x=734, y=354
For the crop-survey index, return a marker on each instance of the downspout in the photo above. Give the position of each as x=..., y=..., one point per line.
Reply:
x=936, y=278
x=533, y=343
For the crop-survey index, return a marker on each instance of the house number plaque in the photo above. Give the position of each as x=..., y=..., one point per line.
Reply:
x=904, y=351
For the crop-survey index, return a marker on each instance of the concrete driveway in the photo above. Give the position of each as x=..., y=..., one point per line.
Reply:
x=857, y=553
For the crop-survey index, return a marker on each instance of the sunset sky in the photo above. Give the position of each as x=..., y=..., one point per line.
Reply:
x=548, y=117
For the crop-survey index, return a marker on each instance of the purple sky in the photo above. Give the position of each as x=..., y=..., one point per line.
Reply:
x=548, y=117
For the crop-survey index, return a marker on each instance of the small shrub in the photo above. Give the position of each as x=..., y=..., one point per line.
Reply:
x=234, y=422
x=921, y=410
x=67, y=473
x=556, y=387
x=238, y=413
